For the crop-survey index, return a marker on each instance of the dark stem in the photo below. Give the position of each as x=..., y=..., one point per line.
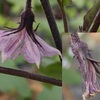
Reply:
x=32, y=76
x=52, y=24
x=65, y=22
x=28, y=4
x=96, y=23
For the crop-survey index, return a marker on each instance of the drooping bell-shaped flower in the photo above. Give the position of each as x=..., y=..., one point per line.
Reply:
x=23, y=40
x=92, y=86
x=88, y=66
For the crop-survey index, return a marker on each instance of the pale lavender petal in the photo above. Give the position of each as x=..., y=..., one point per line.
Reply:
x=4, y=39
x=91, y=83
x=1, y=31
x=12, y=47
x=4, y=56
x=30, y=51
x=47, y=50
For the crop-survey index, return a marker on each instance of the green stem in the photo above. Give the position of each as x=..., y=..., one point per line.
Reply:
x=65, y=22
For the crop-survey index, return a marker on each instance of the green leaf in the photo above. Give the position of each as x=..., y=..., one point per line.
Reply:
x=67, y=2
x=23, y=87
x=53, y=70
x=19, y=59
x=17, y=5
x=79, y=4
x=53, y=94
x=89, y=17
x=13, y=83
x=8, y=63
x=71, y=76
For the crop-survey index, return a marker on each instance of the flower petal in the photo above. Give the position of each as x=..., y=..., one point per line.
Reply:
x=4, y=57
x=91, y=83
x=2, y=40
x=12, y=46
x=30, y=51
x=47, y=50
x=1, y=32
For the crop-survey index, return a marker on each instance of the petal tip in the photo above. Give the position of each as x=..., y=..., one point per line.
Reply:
x=4, y=57
x=38, y=64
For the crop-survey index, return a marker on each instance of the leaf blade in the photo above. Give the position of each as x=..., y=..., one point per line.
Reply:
x=89, y=17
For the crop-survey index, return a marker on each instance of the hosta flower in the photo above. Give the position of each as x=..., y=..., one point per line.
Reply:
x=23, y=40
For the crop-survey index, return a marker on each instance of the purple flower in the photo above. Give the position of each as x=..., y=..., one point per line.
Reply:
x=89, y=67
x=21, y=43
x=91, y=83
x=23, y=40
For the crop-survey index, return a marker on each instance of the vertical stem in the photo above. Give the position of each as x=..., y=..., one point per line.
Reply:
x=52, y=24
x=64, y=16
x=28, y=4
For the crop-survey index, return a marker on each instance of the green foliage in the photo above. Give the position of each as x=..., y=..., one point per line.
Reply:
x=77, y=11
x=89, y=17
x=71, y=77
x=79, y=4
x=17, y=5
x=54, y=94
x=66, y=2
x=53, y=70
x=13, y=83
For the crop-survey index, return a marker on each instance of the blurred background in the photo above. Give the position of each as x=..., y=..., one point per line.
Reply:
x=72, y=80
x=16, y=88
x=77, y=11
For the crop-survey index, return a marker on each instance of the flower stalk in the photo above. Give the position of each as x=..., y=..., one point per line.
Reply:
x=65, y=21
x=32, y=76
x=28, y=4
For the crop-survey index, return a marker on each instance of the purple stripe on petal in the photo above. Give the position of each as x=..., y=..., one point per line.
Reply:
x=31, y=51
x=46, y=50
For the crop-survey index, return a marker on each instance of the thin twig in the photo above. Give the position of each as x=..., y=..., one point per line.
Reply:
x=52, y=24
x=32, y=76
x=65, y=21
